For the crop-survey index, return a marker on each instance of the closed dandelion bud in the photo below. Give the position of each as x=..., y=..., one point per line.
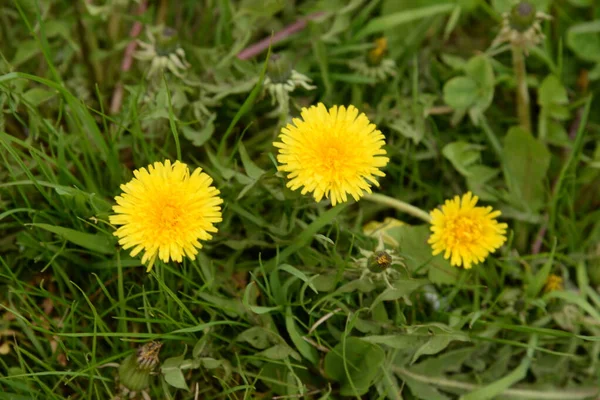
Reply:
x=167, y=41
x=279, y=68
x=522, y=16
x=379, y=261
x=135, y=370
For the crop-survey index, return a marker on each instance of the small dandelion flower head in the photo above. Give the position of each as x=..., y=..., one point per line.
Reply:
x=165, y=211
x=375, y=65
x=466, y=234
x=377, y=53
x=379, y=261
x=331, y=153
x=553, y=282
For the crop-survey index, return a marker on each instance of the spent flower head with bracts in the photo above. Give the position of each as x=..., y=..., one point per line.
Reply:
x=522, y=27
x=466, y=234
x=377, y=266
x=281, y=80
x=165, y=211
x=136, y=369
x=163, y=52
x=331, y=153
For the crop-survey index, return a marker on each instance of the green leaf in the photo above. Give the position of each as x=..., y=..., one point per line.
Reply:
x=199, y=137
x=306, y=235
x=401, y=288
x=479, y=176
x=37, y=96
x=422, y=390
x=171, y=370
x=584, y=40
x=525, y=165
x=552, y=91
x=279, y=352
x=462, y=155
x=386, y=22
x=355, y=364
x=256, y=309
x=460, y=92
x=307, y=351
x=494, y=389
x=231, y=307
x=298, y=274
x=99, y=242
x=252, y=170
x=537, y=284
x=480, y=70
x=440, y=336
x=417, y=253
x=399, y=342
x=450, y=361
x=25, y=51
x=258, y=337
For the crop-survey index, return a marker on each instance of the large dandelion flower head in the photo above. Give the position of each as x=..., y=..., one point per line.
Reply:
x=331, y=153
x=165, y=211
x=466, y=234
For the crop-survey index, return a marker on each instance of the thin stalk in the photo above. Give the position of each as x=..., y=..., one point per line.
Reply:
x=398, y=205
x=491, y=136
x=581, y=393
x=523, y=111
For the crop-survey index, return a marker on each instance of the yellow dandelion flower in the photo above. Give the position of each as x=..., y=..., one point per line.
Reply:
x=165, y=211
x=376, y=53
x=465, y=233
x=332, y=153
x=553, y=282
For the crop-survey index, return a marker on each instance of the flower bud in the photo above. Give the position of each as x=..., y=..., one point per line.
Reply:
x=279, y=68
x=522, y=16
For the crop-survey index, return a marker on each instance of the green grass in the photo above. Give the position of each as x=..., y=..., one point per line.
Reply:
x=273, y=306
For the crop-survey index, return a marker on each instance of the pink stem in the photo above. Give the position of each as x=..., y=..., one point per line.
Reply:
x=539, y=238
x=136, y=29
x=283, y=34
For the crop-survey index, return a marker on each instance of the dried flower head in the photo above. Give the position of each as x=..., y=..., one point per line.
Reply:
x=281, y=80
x=466, y=234
x=163, y=52
x=136, y=369
x=522, y=27
x=165, y=211
x=376, y=266
x=332, y=153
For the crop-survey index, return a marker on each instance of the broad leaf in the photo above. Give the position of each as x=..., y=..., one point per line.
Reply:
x=525, y=164
x=361, y=360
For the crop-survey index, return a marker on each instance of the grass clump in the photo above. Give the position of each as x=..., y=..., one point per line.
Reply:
x=327, y=291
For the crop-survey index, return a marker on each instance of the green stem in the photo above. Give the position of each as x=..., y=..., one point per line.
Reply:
x=522, y=92
x=398, y=205
x=582, y=393
x=491, y=136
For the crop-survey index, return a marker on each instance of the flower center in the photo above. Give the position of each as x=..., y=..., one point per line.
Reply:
x=168, y=217
x=464, y=230
x=333, y=159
